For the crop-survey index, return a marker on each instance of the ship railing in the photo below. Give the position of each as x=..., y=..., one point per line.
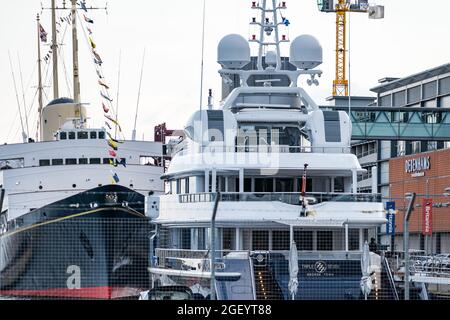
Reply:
x=430, y=266
x=177, y=258
x=263, y=149
x=173, y=258
x=294, y=198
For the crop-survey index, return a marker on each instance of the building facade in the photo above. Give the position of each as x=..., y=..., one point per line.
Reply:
x=428, y=175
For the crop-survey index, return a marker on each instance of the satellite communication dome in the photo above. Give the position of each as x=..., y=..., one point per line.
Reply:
x=233, y=52
x=306, y=52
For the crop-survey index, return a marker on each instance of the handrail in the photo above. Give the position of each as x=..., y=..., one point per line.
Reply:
x=263, y=149
x=292, y=198
x=390, y=277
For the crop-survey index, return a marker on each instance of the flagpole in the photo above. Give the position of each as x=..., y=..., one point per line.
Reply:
x=39, y=133
x=54, y=47
x=76, y=75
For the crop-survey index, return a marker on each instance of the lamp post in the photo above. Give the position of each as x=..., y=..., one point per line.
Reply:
x=412, y=199
x=213, y=247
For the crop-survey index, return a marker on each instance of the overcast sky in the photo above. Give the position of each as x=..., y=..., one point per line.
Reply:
x=412, y=37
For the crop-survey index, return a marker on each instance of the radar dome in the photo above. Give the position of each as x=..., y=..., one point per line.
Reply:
x=233, y=52
x=306, y=52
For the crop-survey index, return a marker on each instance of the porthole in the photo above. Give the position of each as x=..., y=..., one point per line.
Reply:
x=74, y=185
x=40, y=187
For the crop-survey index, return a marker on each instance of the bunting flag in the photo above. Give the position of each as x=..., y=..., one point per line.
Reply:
x=83, y=6
x=115, y=178
x=103, y=84
x=42, y=33
x=97, y=57
x=93, y=45
x=105, y=108
x=112, y=139
x=88, y=20
x=112, y=153
x=113, y=145
x=106, y=97
x=122, y=162
x=113, y=162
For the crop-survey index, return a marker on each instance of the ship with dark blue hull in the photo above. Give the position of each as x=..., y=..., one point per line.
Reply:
x=91, y=245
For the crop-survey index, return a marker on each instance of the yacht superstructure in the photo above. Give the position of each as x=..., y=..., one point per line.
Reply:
x=279, y=171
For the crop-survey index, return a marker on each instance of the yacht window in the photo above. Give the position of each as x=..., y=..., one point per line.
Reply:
x=71, y=161
x=304, y=240
x=101, y=135
x=44, y=163
x=280, y=240
x=72, y=135
x=57, y=162
x=107, y=160
x=178, y=186
x=309, y=184
x=339, y=185
x=185, y=239
x=264, y=185
x=353, y=239
x=83, y=161
x=284, y=185
x=260, y=240
x=93, y=134
x=201, y=239
x=82, y=135
x=63, y=135
x=95, y=160
x=324, y=240
x=247, y=185
x=228, y=239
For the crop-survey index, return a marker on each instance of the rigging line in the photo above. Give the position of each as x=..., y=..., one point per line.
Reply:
x=61, y=56
x=96, y=67
x=139, y=97
x=17, y=96
x=23, y=95
x=202, y=67
x=118, y=91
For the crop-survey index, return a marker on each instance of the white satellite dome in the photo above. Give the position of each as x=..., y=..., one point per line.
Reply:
x=233, y=52
x=306, y=52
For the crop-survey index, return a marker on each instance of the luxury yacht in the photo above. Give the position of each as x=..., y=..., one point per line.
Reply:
x=263, y=171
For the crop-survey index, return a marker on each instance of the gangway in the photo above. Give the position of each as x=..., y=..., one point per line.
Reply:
x=394, y=123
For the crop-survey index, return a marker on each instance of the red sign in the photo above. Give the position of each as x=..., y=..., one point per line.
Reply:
x=427, y=207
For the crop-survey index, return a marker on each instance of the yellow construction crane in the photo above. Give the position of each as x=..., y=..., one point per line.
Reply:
x=341, y=7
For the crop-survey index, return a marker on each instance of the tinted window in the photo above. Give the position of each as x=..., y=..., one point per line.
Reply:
x=93, y=135
x=44, y=163
x=82, y=135
x=71, y=161
x=106, y=160
x=57, y=162
x=101, y=135
x=83, y=161
x=72, y=135
x=95, y=161
x=63, y=135
x=324, y=240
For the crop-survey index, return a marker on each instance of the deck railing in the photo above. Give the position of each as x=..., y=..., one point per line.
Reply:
x=293, y=198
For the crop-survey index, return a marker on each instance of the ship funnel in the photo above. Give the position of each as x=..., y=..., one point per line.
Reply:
x=57, y=113
x=233, y=52
x=306, y=52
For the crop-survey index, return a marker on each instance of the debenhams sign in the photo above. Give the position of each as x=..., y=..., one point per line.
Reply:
x=417, y=167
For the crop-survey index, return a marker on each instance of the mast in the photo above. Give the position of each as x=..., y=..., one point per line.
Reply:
x=39, y=79
x=76, y=76
x=54, y=47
